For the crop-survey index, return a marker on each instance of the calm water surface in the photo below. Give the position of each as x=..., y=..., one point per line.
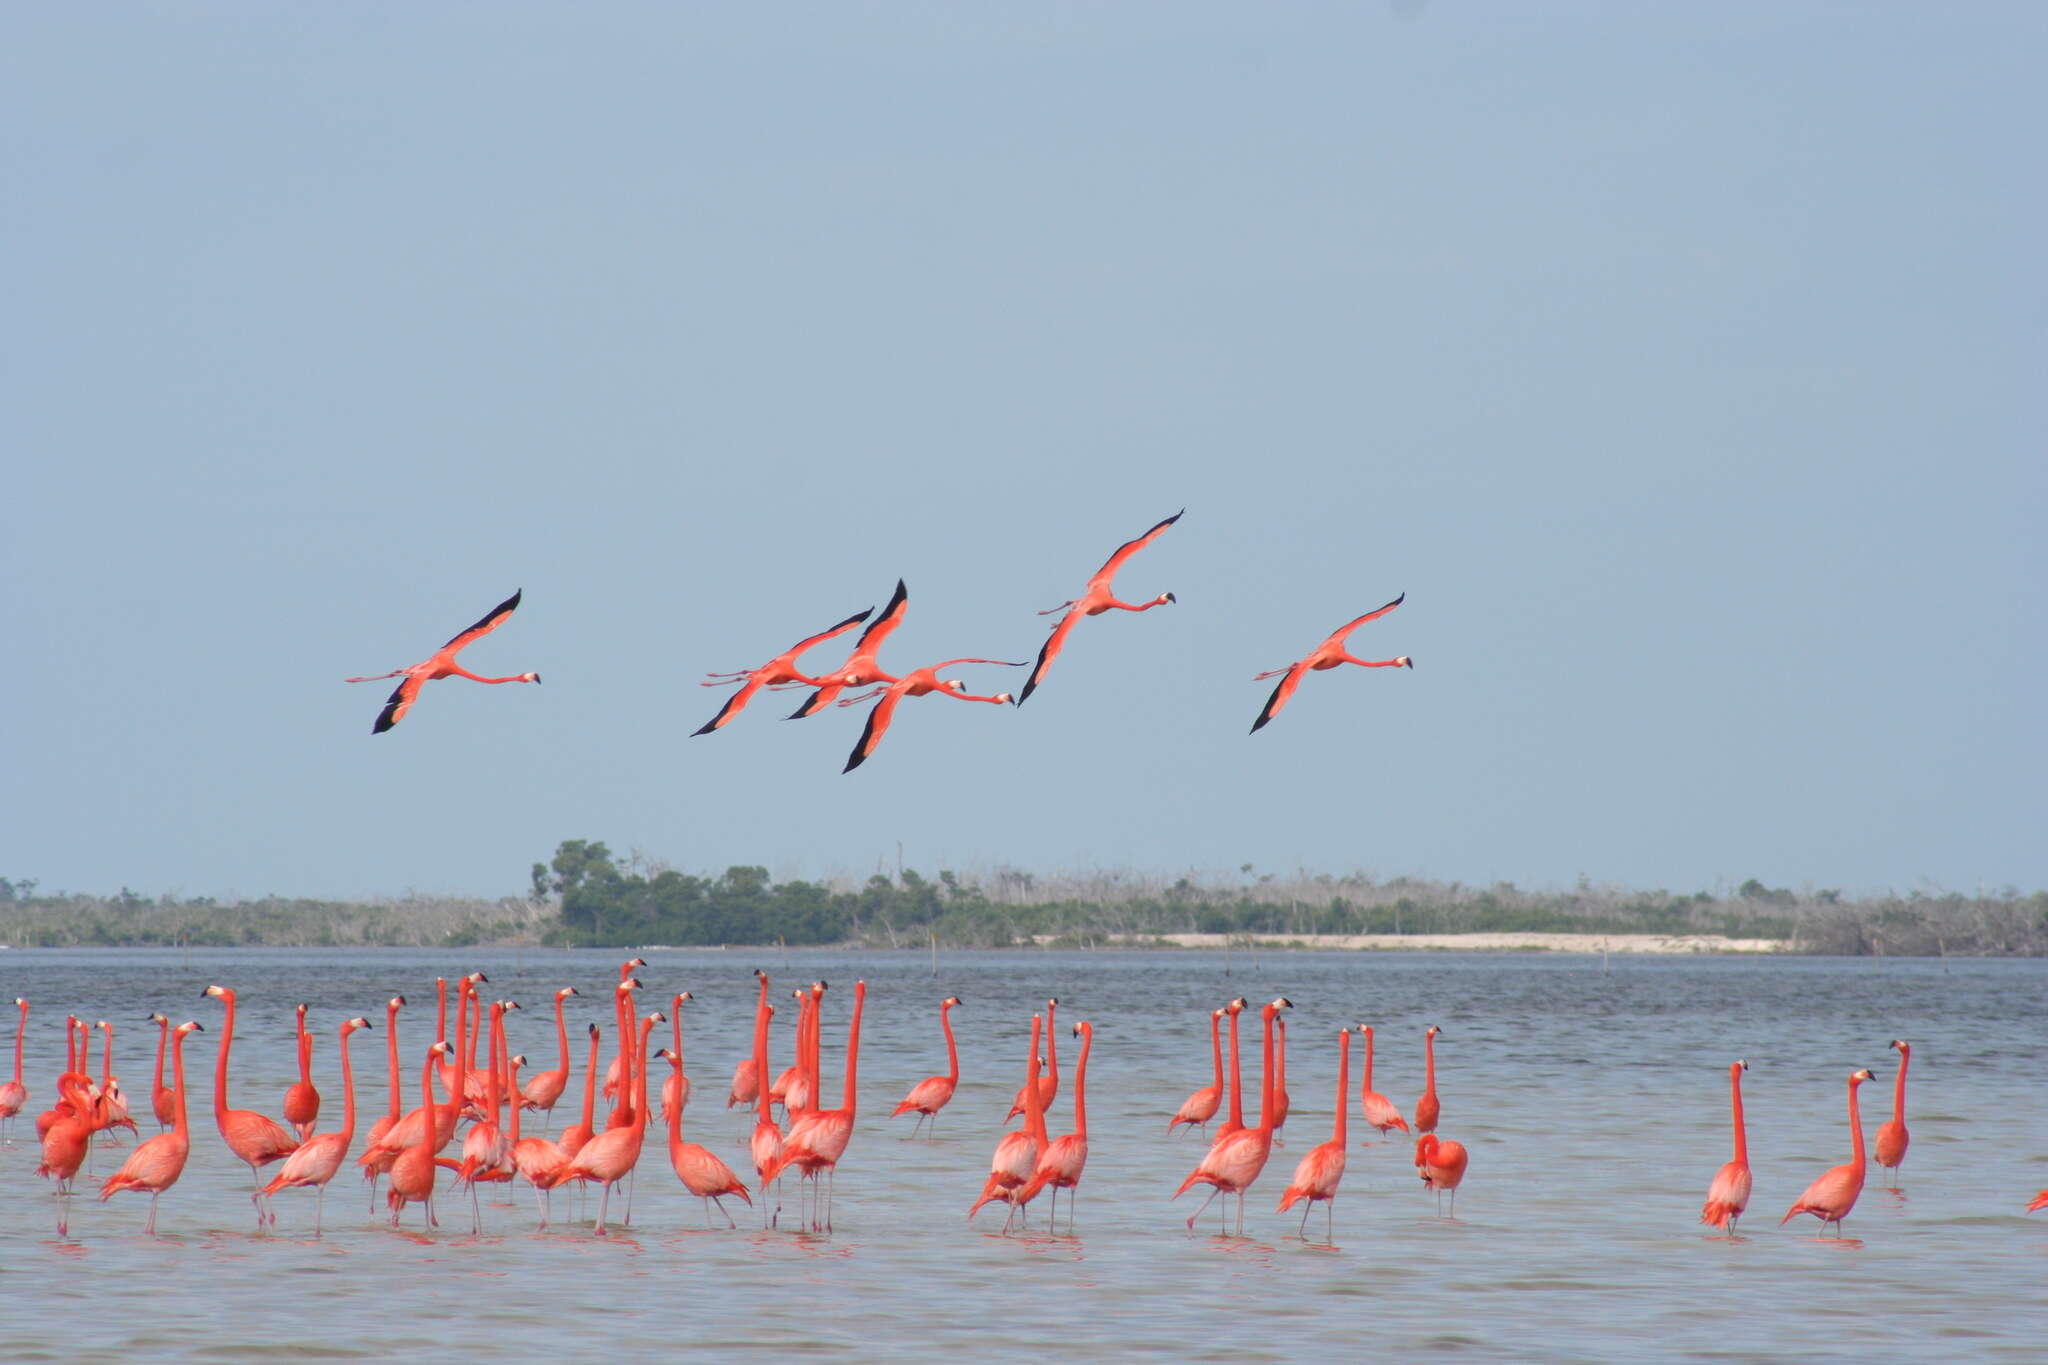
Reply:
x=1594, y=1104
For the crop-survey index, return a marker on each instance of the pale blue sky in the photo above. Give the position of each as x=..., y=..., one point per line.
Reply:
x=1683, y=364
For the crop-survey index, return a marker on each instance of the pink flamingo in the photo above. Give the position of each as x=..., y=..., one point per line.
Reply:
x=675, y=1087
x=412, y=1174
x=1233, y=1122
x=301, y=1100
x=777, y=673
x=1048, y=1082
x=14, y=1094
x=578, y=1133
x=611, y=1156
x=1197, y=1109
x=918, y=682
x=1328, y=654
x=320, y=1156
x=1832, y=1196
x=1097, y=598
x=1379, y=1110
x=1061, y=1163
x=861, y=667
x=1728, y=1196
x=1236, y=1159
x=386, y=1121
x=1442, y=1163
x=254, y=1138
x=538, y=1160
x=1427, y=1109
x=1016, y=1156
x=932, y=1094
x=443, y=665
x=746, y=1073
x=818, y=1137
x=156, y=1164
x=163, y=1101
x=544, y=1088
x=765, y=1144
x=1316, y=1174
x=701, y=1172
x=1892, y=1137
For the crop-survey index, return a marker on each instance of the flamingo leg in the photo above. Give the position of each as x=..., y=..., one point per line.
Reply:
x=1198, y=1212
x=150, y=1226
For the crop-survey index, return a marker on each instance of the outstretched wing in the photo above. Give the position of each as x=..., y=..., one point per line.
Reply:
x=1281, y=693
x=823, y=697
x=878, y=725
x=891, y=617
x=1337, y=637
x=1131, y=547
x=398, y=703
x=732, y=707
x=1049, y=651
x=493, y=618
x=789, y=655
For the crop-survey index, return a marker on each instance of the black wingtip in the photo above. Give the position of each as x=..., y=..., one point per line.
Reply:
x=1259, y=724
x=382, y=724
x=853, y=761
x=1023, y=693
x=706, y=728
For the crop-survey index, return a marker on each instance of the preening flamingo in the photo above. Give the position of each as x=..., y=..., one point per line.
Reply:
x=778, y=672
x=1098, y=597
x=1236, y=1159
x=156, y=1164
x=254, y=1138
x=1328, y=654
x=860, y=668
x=442, y=665
x=301, y=1100
x=1316, y=1174
x=544, y=1088
x=319, y=1156
x=931, y=1094
x=1442, y=1163
x=1378, y=1109
x=1062, y=1161
x=1832, y=1196
x=1427, y=1109
x=1016, y=1155
x=817, y=1138
x=918, y=682
x=1048, y=1081
x=1198, y=1108
x=1892, y=1136
x=1728, y=1196
x=14, y=1094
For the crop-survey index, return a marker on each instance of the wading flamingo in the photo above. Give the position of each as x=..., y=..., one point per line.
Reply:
x=818, y=1137
x=301, y=1100
x=412, y=1174
x=918, y=682
x=437, y=1120
x=1098, y=597
x=622, y=1015
x=156, y=1164
x=163, y=1102
x=746, y=1073
x=1197, y=1109
x=701, y=1172
x=320, y=1156
x=1427, y=1109
x=1316, y=1174
x=765, y=1144
x=387, y=1120
x=778, y=672
x=1892, y=1137
x=1061, y=1162
x=612, y=1155
x=486, y=1151
x=1016, y=1155
x=1728, y=1196
x=544, y=1088
x=254, y=1138
x=1832, y=1196
x=578, y=1133
x=1233, y=1122
x=1328, y=654
x=1442, y=1163
x=538, y=1160
x=1236, y=1159
x=931, y=1094
x=1049, y=1078
x=14, y=1094
x=675, y=1087
x=1378, y=1109
x=442, y=665
x=1281, y=1101
x=860, y=668
x=66, y=1137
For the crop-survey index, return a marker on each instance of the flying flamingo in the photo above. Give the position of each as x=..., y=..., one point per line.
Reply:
x=1197, y=1109
x=1832, y=1196
x=1379, y=1110
x=1060, y=1164
x=544, y=1088
x=442, y=665
x=412, y=1173
x=1442, y=1163
x=320, y=1156
x=746, y=1073
x=1233, y=1122
x=1098, y=597
x=301, y=1100
x=1316, y=1174
x=778, y=672
x=162, y=1100
x=1016, y=1156
x=537, y=1159
x=14, y=1094
x=860, y=668
x=818, y=1137
x=1236, y=1159
x=1048, y=1082
x=1892, y=1137
x=254, y=1138
x=918, y=682
x=675, y=1087
x=931, y=1094
x=612, y=1155
x=1728, y=1196
x=156, y=1164
x=1427, y=1109
x=1328, y=654
x=701, y=1172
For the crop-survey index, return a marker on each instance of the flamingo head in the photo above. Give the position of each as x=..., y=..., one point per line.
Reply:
x=517, y=1062
x=1002, y=697
x=349, y=1026
x=222, y=992
x=678, y=1004
x=1237, y=1006
x=189, y=1026
x=565, y=992
x=1905, y=1048
x=1404, y=661
x=441, y=1049
x=529, y=677
x=509, y=1005
x=593, y=1033
x=958, y=685
x=1431, y=1032
x=395, y=1003
x=949, y=1002
x=1740, y=1065
x=1857, y=1078
x=155, y=1018
x=1163, y=599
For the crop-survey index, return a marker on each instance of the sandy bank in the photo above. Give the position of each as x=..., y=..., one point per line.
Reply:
x=1478, y=943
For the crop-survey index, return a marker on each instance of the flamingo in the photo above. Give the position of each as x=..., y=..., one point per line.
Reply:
x=1378, y=1109
x=612, y=1155
x=2039, y=1201
x=320, y=1156
x=537, y=1159
x=301, y=1100
x=1328, y=654
x=746, y=1073
x=486, y=1151
x=931, y=1094
x=818, y=1137
x=1048, y=1083
x=412, y=1173
x=578, y=1133
x=918, y=682
x=1236, y=1159
x=1281, y=1102
x=439, y=1120
x=701, y=1172
x=797, y=1087
x=778, y=672
x=73, y=1086
x=66, y=1138
x=1316, y=1174
x=1060, y=1164
x=625, y=1022
x=619, y=1084
x=675, y=1087
x=1233, y=1122
x=1832, y=1196
x=112, y=1106
x=14, y=1094
x=1892, y=1137
x=1016, y=1156
x=765, y=1144
x=155, y=1165
x=860, y=668
x=384, y=1122
x=1198, y=1108
x=1098, y=597
x=1728, y=1196
x=442, y=665
x=254, y=1138
x=1427, y=1108
x=163, y=1100
x=544, y=1088
x=1442, y=1163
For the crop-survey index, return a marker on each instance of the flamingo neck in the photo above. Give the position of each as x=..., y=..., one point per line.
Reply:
x=497, y=1060
x=1052, y=1041
x=860, y=997
x=1855, y=1132
x=1236, y=1078
x=220, y=1068
x=1034, y=1109
x=1899, y=1088
x=590, y=1084
x=952, y=1052
x=1216, y=1047
x=178, y=1124
x=1343, y=1083
x=441, y=995
x=1367, y=1084
x=21, y=1027
x=305, y=1059
x=107, y=1058
x=1429, y=1061
x=163, y=1036
x=1266, y=1074
x=348, y=1093
x=639, y=1077
x=1081, y=1084
x=426, y=1147
x=391, y=1054
x=512, y=1071
x=562, y=1032
x=761, y=1079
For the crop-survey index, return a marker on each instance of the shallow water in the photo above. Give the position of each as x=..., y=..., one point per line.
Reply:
x=1594, y=1104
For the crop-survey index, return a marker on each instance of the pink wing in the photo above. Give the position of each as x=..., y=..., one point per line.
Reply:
x=878, y=725
x=1130, y=547
x=1337, y=637
x=1281, y=693
x=492, y=619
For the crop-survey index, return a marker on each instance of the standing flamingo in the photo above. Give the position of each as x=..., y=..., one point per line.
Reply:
x=301, y=1100
x=1016, y=1155
x=162, y=1099
x=612, y=1155
x=156, y=1164
x=1832, y=1196
x=1281, y=1101
x=1061, y=1162
x=1316, y=1174
x=765, y=1143
x=112, y=1106
x=412, y=1173
x=386, y=1121
x=675, y=1087
x=254, y=1138
x=1233, y=1122
x=486, y=1151
x=861, y=667
x=439, y=1120
x=1378, y=1109
x=1442, y=1163
x=778, y=672
x=1328, y=654
x=1728, y=1196
x=918, y=682
x=1427, y=1108
x=65, y=1138
x=578, y=1133
x=442, y=665
x=746, y=1073
x=14, y=1094
x=1048, y=1083
x=701, y=1172
x=1197, y=1109
x=931, y=1094
x=818, y=1137
x=1236, y=1159
x=540, y=1161
x=544, y=1088
x=1892, y=1137
x=320, y=1156
x=1098, y=597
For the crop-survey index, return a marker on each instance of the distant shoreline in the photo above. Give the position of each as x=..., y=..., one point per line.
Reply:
x=1467, y=943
